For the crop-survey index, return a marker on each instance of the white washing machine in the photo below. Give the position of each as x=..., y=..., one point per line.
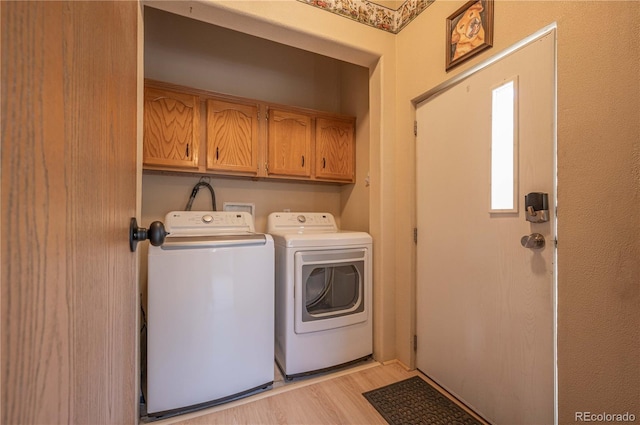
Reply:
x=210, y=316
x=323, y=293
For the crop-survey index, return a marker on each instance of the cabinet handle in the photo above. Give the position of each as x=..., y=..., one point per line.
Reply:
x=187, y=151
x=303, y=160
x=217, y=153
x=324, y=163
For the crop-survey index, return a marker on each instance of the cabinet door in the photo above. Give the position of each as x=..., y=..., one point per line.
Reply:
x=232, y=137
x=335, y=149
x=171, y=128
x=289, y=144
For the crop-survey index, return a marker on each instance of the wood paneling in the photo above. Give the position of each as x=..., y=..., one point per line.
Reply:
x=68, y=191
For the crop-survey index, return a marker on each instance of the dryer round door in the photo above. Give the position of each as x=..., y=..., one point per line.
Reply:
x=317, y=286
x=330, y=289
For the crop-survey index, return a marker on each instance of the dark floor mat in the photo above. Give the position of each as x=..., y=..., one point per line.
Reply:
x=413, y=401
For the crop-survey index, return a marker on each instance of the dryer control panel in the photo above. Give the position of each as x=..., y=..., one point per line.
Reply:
x=301, y=222
x=208, y=223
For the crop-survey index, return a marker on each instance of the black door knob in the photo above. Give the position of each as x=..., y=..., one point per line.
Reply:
x=155, y=234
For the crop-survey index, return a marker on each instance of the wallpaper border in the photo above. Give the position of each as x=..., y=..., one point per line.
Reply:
x=372, y=14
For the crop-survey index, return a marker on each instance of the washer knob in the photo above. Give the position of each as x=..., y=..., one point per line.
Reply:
x=302, y=219
x=207, y=218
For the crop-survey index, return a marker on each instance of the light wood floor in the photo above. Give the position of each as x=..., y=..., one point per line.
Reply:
x=331, y=399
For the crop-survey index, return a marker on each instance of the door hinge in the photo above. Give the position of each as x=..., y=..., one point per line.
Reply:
x=415, y=343
x=415, y=235
x=415, y=128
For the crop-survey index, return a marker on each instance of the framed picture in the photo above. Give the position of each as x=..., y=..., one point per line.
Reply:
x=469, y=31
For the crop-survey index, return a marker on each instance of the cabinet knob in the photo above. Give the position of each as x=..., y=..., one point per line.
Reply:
x=302, y=160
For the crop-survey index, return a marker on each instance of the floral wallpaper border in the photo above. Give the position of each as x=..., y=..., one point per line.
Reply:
x=373, y=14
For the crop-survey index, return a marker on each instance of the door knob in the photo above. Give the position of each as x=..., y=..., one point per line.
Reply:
x=533, y=241
x=155, y=234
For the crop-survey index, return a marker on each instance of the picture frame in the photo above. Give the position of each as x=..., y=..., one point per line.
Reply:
x=469, y=32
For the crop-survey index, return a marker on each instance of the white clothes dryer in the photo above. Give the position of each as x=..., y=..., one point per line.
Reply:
x=210, y=311
x=323, y=293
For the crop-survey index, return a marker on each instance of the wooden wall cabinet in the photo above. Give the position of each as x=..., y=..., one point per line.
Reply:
x=289, y=143
x=171, y=129
x=232, y=136
x=244, y=137
x=335, y=149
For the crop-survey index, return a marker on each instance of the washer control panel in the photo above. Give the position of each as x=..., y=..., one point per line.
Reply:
x=206, y=223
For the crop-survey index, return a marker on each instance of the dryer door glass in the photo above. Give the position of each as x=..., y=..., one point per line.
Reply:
x=331, y=290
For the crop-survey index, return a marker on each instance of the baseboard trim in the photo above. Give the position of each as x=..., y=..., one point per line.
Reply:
x=398, y=362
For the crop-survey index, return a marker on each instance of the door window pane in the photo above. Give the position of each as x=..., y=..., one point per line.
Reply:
x=503, y=148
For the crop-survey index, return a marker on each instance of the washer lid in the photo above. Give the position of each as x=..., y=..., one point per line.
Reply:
x=208, y=223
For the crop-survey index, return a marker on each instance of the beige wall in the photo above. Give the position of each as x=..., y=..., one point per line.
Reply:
x=598, y=158
x=298, y=25
x=355, y=199
x=164, y=193
x=598, y=185
x=209, y=57
x=197, y=54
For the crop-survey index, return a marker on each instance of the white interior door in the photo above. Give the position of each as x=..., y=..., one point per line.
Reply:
x=485, y=304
